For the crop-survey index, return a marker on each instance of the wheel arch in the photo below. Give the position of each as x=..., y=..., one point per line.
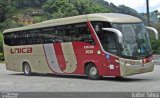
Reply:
x=23, y=62
x=87, y=64
x=97, y=65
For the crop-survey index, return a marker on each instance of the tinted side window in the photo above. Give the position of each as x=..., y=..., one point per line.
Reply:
x=109, y=43
x=59, y=34
x=49, y=35
x=81, y=33
x=10, y=39
x=23, y=38
x=34, y=37
x=107, y=39
x=14, y=39
x=64, y=33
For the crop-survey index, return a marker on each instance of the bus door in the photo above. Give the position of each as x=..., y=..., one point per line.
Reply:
x=110, y=45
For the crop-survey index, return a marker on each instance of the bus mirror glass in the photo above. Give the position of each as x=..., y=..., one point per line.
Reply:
x=154, y=30
x=117, y=32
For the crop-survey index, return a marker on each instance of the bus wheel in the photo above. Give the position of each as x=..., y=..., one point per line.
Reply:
x=92, y=72
x=27, y=69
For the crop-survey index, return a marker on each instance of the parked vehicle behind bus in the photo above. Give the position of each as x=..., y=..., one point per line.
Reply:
x=96, y=45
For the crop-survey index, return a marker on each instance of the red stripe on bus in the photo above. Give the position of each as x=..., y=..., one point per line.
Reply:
x=60, y=56
x=79, y=51
x=47, y=60
x=91, y=29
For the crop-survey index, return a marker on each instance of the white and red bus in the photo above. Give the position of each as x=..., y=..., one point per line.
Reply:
x=95, y=45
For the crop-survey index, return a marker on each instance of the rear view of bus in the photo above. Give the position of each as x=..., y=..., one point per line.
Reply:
x=95, y=45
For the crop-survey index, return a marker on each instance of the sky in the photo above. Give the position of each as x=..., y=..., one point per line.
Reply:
x=138, y=5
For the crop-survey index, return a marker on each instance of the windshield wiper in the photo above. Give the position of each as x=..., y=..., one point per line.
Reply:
x=140, y=45
x=145, y=49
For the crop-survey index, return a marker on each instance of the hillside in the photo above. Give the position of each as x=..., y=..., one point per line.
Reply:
x=15, y=13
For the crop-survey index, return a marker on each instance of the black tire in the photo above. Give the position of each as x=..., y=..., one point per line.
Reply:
x=119, y=77
x=27, y=69
x=92, y=72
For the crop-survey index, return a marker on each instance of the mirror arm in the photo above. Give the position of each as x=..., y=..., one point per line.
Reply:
x=118, y=33
x=154, y=30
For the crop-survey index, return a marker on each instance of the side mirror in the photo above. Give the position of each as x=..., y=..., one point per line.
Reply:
x=117, y=32
x=154, y=30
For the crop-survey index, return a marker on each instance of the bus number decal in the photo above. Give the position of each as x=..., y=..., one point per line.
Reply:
x=21, y=50
x=89, y=51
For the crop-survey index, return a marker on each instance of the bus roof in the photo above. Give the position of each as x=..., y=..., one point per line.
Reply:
x=108, y=17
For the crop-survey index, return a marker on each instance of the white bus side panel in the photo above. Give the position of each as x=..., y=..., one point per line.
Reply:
x=36, y=59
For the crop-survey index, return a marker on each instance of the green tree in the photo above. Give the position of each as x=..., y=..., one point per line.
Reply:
x=28, y=3
x=64, y=8
x=1, y=47
x=89, y=6
x=1, y=41
x=2, y=10
x=156, y=44
x=60, y=8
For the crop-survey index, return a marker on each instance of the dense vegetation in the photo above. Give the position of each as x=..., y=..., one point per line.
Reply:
x=15, y=13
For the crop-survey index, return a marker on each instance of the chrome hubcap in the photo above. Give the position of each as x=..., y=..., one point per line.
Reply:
x=93, y=71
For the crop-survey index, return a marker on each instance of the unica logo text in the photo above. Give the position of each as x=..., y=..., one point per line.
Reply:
x=21, y=50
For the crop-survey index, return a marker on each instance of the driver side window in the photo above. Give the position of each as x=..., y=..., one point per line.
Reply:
x=107, y=39
x=109, y=43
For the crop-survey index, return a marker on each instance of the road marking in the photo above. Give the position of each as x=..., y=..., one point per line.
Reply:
x=11, y=83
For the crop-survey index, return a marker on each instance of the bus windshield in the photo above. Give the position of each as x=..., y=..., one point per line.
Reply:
x=136, y=42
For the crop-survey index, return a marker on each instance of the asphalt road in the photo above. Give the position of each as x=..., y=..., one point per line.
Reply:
x=17, y=82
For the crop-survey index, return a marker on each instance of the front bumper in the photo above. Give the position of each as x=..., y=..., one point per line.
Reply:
x=127, y=69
